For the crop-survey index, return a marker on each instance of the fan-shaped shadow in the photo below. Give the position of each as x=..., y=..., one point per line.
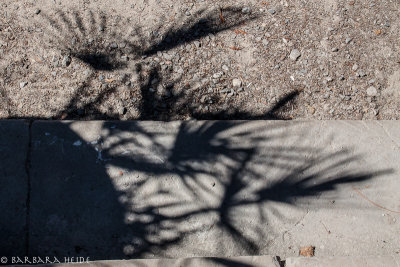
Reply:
x=150, y=189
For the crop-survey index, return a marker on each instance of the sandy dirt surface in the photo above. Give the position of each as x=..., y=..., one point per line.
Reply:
x=167, y=60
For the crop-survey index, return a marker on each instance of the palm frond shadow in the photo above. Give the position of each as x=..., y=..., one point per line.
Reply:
x=85, y=40
x=185, y=179
x=219, y=171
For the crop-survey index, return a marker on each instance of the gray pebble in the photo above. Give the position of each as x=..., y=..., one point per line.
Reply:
x=272, y=11
x=236, y=82
x=361, y=73
x=295, y=54
x=348, y=40
x=225, y=67
x=66, y=61
x=179, y=70
x=371, y=91
x=167, y=56
x=217, y=75
x=22, y=84
x=203, y=98
x=37, y=11
x=246, y=10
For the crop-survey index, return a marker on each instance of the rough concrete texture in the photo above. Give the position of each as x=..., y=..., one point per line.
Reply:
x=120, y=190
x=244, y=261
x=377, y=261
x=115, y=190
x=14, y=139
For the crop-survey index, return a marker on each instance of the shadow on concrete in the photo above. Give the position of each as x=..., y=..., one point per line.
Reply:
x=156, y=189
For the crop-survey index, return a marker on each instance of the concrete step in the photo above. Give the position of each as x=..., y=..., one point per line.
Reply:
x=243, y=261
x=124, y=190
x=366, y=261
x=248, y=261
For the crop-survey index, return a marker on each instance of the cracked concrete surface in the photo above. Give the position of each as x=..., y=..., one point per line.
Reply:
x=117, y=190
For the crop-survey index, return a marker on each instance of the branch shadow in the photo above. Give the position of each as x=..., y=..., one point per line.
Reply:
x=147, y=190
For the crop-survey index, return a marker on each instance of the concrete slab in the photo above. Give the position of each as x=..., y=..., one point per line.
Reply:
x=118, y=190
x=14, y=138
x=366, y=261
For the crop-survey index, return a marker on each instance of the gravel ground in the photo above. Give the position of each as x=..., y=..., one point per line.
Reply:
x=167, y=60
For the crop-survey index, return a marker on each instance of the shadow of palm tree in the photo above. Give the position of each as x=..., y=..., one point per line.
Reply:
x=149, y=189
x=89, y=46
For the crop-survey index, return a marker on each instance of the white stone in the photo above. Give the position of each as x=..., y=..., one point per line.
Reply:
x=236, y=82
x=295, y=54
x=371, y=91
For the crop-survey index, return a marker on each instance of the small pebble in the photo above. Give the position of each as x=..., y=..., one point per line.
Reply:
x=272, y=11
x=246, y=10
x=236, y=82
x=66, y=61
x=217, y=75
x=361, y=73
x=37, y=11
x=295, y=54
x=77, y=143
x=22, y=84
x=371, y=91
